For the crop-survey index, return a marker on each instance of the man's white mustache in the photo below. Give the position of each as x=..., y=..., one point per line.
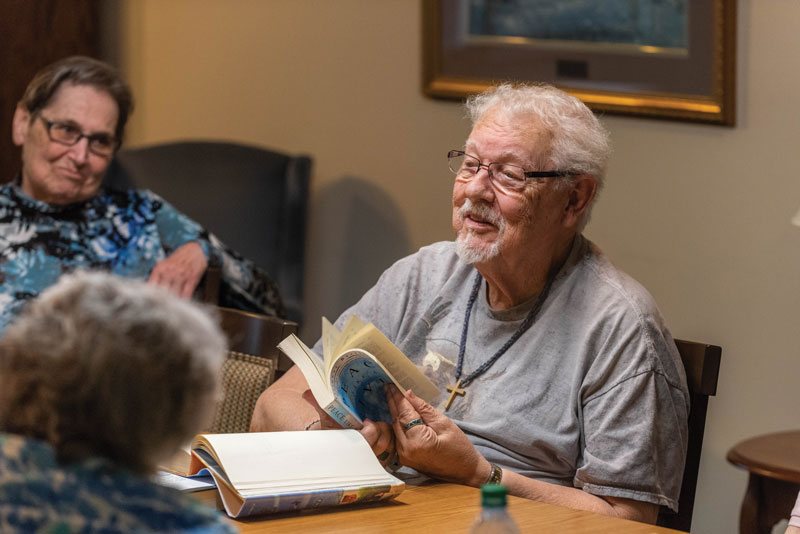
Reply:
x=481, y=212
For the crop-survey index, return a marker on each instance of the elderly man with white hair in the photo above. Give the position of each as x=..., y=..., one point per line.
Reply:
x=561, y=379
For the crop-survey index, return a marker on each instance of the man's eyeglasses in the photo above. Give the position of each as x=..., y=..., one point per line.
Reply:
x=69, y=134
x=506, y=176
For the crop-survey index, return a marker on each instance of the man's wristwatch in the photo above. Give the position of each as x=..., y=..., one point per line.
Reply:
x=496, y=475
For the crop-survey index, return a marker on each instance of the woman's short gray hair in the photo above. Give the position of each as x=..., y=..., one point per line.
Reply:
x=79, y=70
x=578, y=141
x=104, y=366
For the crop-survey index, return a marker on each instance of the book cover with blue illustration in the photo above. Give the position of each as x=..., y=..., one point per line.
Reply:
x=348, y=382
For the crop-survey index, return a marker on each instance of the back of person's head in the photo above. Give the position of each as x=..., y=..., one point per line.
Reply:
x=579, y=143
x=104, y=366
x=79, y=70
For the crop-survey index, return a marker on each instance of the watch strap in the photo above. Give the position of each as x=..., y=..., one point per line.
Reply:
x=496, y=475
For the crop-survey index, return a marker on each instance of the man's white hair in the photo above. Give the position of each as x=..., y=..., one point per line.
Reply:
x=578, y=141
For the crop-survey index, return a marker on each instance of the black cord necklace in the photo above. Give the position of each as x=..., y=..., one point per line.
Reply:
x=458, y=389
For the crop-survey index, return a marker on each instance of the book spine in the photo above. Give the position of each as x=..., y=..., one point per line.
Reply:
x=316, y=499
x=289, y=503
x=342, y=415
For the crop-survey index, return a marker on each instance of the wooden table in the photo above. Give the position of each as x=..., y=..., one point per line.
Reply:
x=441, y=508
x=773, y=461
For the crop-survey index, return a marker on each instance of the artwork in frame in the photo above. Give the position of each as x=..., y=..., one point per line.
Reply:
x=669, y=59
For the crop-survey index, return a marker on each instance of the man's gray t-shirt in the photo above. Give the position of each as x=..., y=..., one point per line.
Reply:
x=593, y=395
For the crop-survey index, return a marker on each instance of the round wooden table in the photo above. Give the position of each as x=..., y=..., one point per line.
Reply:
x=773, y=461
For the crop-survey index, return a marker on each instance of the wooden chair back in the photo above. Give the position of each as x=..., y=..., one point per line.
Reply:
x=259, y=335
x=253, y=363
x=701, y=363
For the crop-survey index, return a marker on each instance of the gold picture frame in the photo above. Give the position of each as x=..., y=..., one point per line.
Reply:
x=692, y=82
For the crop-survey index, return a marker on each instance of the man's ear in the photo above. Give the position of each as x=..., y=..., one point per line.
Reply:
x=579, y=199
x=20, y=124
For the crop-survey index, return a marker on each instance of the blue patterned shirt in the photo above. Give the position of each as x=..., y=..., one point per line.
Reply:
x=124, y=232
x=40, y=496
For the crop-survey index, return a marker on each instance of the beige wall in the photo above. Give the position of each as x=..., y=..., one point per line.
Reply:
x=699, y=214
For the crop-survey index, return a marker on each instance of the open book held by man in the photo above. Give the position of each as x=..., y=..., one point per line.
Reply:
x=348, y=381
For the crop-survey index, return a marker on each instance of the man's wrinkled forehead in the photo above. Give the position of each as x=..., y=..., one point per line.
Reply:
x=518, y=136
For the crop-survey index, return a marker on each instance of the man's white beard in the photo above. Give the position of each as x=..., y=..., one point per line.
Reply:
x=469, y=246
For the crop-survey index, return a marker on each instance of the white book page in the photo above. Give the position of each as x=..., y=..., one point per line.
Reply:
x=296, y=460
x=311, y=367
x=402, y=370
x=353, y=326
x=330, y=339
x=171, y=480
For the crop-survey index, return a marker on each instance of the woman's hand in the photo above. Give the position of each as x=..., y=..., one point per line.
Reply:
x=181, y=271
x=436, y=446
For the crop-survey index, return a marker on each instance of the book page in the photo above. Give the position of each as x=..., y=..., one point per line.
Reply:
x=179, y=462
x=404, y=372
x=186, y=484
x=330, y=339
x=232, y=501
x=264, y=463
x=353, y=326
x=310, y=365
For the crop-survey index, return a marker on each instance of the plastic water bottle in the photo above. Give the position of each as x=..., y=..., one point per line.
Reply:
x=494, y=518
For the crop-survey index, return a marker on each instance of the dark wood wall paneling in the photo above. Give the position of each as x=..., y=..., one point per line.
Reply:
x=34, y=33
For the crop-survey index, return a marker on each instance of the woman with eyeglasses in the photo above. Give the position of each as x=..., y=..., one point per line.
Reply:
x=56, y=217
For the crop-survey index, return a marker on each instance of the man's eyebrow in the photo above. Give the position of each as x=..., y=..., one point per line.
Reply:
x=506, y=156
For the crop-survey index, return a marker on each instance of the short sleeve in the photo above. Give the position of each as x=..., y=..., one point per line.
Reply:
x=635, y=435
x=174, y=228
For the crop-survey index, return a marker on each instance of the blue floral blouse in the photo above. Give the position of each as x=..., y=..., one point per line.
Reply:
x=124, y=232
x=40, y=496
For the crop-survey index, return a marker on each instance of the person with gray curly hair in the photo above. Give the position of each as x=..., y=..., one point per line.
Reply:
x=561, y=379
x=102, y=378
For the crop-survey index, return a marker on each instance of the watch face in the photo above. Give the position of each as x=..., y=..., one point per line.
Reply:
x=358, y=381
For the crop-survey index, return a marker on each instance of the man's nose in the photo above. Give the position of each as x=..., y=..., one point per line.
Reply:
x=481, y=184
x=484, y=166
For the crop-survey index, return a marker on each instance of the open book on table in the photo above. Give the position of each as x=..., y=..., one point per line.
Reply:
x=265, y=472
x=179, y=463
x=348, y=382
x=185, y=472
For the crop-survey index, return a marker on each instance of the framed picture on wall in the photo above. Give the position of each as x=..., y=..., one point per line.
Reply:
x=669, y=59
